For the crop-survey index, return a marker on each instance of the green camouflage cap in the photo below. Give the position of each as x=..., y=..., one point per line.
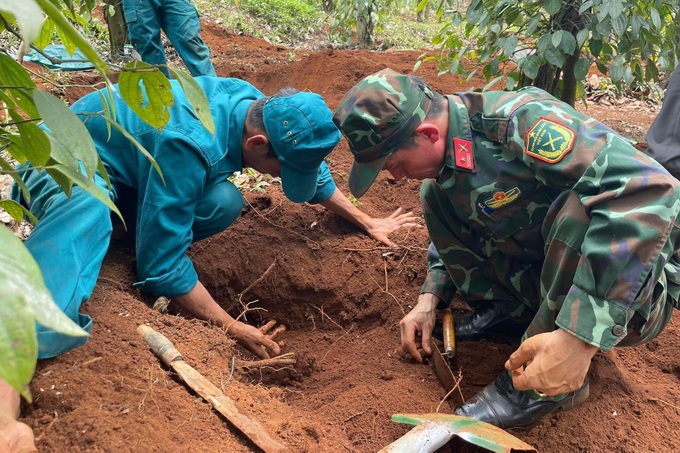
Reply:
x=376, y=117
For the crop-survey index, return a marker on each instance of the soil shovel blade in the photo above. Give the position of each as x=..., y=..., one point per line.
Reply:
x=435, y=430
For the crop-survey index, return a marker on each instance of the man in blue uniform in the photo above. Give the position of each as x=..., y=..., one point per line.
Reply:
x=288, y=134
x=179, y=20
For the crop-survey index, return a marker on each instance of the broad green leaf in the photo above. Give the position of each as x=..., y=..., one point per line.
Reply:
x=656, y=18
x=46, y=34
x=595, y=47
x=530, y=67
x=16, y=211
x=617, y=72
x=556, y=39
x=510, y=83
x=63, y=181
x=619, y=24
x=27, y=14
x=581, y=37
x=196, y=97
x=12, y=74
x=585, y=6
x=70, y=139
x=581, y=68
x=614, y=8
x=552, y=6
x=66, y=40
x=140, y=79
x=35, y=143
x=568, y=44
x=509, y=46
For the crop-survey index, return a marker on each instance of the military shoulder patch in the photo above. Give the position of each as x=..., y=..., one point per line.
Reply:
x=462, y=149
x=549, y=141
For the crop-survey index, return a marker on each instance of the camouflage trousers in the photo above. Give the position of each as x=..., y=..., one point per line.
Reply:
x=529, y=286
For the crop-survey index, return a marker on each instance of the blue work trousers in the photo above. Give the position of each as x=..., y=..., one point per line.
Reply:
x=72, y=236
x=179, y=20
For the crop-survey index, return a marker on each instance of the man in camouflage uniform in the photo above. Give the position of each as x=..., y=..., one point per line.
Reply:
x=543, y=219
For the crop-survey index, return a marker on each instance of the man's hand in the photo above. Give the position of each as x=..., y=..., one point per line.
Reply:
x=380, y=229
x=421, y=321
x=254, y=340
x=551, y=363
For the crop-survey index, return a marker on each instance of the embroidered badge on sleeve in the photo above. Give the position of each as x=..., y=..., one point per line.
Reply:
x=463, y=152
x=549, y=141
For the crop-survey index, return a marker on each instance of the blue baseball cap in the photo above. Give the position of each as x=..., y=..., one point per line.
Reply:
x=302, y=133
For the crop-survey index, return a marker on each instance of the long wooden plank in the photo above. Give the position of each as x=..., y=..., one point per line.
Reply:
x=251, y=428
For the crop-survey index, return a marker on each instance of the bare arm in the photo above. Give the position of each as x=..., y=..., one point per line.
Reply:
x=378, y=229
x=200, y=303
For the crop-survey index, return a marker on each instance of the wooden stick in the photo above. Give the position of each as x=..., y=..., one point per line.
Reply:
x=251, y=428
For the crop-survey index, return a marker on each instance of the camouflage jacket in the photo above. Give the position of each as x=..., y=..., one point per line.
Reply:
x=510, y=156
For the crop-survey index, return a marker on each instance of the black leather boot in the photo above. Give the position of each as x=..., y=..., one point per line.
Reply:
x=500, y=404
x=485, y=323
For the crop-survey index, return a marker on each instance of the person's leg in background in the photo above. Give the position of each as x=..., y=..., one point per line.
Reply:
x=179, y=20
x=144, y=30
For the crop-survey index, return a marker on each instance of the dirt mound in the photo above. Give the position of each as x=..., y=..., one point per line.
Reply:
x=341, y=296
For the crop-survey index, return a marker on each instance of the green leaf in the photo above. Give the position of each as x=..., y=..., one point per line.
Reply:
x=153, y=107
x=581, y=68
x=509, y=46
x=617, y=72
x=552, y=6
x=16, y=211
x=510, y=83
x=27, y=14
x=70, y=139
x=656, y=18
x=568, y=44
x=196, y=97
x=66, y=40
x=35, y=144
x=581, y=37
x=46, y=34
x=12, y=74
x=530, y=67
x=619, y=24
x=595, y=47
x=556, y=39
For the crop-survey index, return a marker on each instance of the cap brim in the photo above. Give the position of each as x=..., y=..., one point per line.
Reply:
x=362, y=175
x=298, y=187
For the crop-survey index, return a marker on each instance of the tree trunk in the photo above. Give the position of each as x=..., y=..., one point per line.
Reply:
x=118, y=36
x=365, y=27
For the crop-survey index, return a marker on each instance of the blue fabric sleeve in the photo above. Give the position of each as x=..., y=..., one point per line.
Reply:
x=165, y=217
x=325, y=186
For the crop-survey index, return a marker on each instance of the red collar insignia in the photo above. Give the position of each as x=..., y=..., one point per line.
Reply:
x=462, y=149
